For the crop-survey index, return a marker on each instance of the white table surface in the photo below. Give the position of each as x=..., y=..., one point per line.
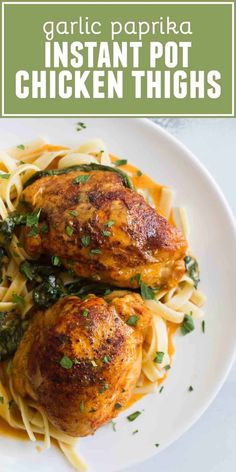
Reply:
x=210, y=445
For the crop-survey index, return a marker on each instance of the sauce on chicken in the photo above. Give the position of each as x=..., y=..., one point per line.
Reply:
x=103, y=230
x=81, y=360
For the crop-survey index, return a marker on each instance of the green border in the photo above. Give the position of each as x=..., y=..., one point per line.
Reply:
x=232, y=115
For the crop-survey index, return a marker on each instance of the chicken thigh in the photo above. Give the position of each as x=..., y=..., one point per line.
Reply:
x=103, y=230
x=81, y=361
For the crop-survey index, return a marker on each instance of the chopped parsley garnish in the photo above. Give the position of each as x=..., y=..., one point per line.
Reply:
x=100, y=152
x=107, y=292
x=25, y=269
x=81, y=179
x=85, y=312
x=95, y=251
x=85, y=240
x=103, y=388
x=44, y=228
x=34, y=231
x=73, y=213
x=69, y=230
x=157, y=445
x=80, y=126
x=139, y=173
x=121, y=162
x=113, y=424
x=56, y=261
x=167, y=367
x=21, y=146
x=203, y=326
x=106, y=359
x=33, y=219
x=132, y=320
x=118, y=406
x=187, y=325
x=18, y=299
x=135, y=432
x=109, y=223
x=106, y=233
x=133, y=416
x=66, y=362
x=136, y=278
x=159, y=357
x=5, y=176
x=1, y=400
x=81, y=407
x=161, y=389
x=190, y=388
x=147, y=292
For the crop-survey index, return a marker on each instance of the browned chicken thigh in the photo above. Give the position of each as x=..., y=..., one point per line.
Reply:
x=103, y=230
x=81, y=361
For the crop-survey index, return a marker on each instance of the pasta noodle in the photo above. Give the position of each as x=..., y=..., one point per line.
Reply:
x=16, y=166
x=166, y=201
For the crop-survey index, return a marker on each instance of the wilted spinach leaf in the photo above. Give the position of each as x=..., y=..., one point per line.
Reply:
x=49, y=291
x=192, y=268
x=36, y=271
x=7, y=226
x=11, y=332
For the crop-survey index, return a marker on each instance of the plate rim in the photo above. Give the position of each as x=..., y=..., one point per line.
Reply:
x=192, y=157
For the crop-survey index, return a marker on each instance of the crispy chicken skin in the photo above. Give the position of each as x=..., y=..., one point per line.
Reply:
x=102, y=229
x=106, y=355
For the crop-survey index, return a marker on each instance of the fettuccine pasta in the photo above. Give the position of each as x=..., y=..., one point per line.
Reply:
x=169, y=308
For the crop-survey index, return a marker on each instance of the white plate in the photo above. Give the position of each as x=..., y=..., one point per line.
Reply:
x=201, y=360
